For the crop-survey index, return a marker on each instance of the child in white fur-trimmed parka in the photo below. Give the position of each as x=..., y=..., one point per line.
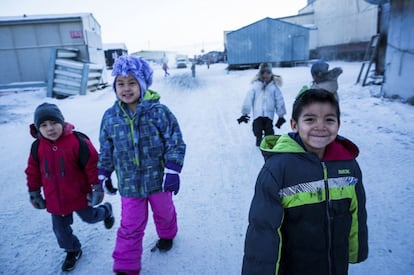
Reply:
x=264, y=99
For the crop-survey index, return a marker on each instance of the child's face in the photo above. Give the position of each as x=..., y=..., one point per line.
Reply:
x=265, y=76
x=51, y=130
x=317, y=125
x=128, y=90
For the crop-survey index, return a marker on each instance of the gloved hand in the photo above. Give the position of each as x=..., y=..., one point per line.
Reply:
x=37, y=200
x=171, y=180
x=97, y=195
x=243, y=118
x=280, y=122
x=106, y=183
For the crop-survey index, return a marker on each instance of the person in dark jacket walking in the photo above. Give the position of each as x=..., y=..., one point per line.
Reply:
x=326, y=79
x=140, y=139
x=67, y=187
x=308, y=215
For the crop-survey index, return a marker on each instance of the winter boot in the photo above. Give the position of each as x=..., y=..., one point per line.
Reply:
x=109, y=220
x=129, y=272
x=164, y=244
x=71, y=260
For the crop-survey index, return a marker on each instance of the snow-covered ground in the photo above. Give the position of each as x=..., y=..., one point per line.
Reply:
x=217, y=182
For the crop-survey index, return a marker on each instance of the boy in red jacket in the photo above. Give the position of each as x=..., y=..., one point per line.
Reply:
x=67, y=187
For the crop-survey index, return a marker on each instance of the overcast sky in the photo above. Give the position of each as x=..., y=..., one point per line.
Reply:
x=163, y=24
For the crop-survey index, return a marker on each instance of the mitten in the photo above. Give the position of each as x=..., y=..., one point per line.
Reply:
x=109, y=187
x=37, y=200
x=243, y=118
x=171, y=180
x=280, y=122
x=97, y=195
x=106, y=183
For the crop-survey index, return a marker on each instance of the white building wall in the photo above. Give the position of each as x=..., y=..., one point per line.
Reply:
x=336, y=22
x=344, y=21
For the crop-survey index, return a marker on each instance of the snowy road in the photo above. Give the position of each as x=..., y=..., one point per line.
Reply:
x=218, y=178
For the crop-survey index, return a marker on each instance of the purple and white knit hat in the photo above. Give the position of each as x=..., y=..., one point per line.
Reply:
x=137, y=67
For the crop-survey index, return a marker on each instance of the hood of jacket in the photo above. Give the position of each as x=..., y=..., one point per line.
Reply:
x=277, y=79
x=150, y=98
x=67, y=129
x=151, y=95
x=340, y=149
x=329, y=75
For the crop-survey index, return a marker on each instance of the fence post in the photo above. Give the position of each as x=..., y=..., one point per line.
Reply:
x=51, y=75
x=84, y=80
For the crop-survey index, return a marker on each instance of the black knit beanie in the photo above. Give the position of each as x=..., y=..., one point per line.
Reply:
x=47, y=111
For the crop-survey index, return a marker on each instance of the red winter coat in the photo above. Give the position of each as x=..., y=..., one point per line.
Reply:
x=64, y=183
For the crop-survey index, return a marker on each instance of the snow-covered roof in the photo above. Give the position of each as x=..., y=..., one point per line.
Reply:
x=43, y=17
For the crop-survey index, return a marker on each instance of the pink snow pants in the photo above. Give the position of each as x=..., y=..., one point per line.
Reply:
x=134, y=218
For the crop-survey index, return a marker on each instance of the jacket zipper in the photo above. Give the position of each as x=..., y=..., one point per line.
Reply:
x=130, y=122
x=135, y=141
x=328, y=216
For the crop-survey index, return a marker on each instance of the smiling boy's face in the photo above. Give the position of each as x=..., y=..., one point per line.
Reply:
x=128, y=90
x=317, y=126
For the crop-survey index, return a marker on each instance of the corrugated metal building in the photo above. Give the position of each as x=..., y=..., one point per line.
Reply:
x=267, y=40
x=26, y=43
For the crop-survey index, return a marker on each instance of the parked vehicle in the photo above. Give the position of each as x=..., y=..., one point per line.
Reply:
x=213, y=57
x=181, y=63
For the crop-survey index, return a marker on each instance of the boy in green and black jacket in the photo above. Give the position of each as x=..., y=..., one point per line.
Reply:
x=308, y=212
